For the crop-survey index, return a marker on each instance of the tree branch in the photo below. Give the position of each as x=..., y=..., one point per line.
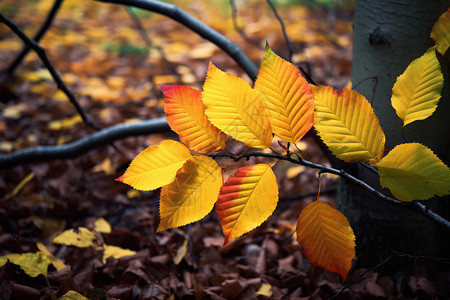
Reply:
x=196, y=26
x=43, y=56
x=414, y=205
x=283, y=28
x=238, y=28
x=41, y=32
x=100, y=138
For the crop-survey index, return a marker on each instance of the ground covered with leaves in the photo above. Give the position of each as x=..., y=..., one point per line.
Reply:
x=114, y=67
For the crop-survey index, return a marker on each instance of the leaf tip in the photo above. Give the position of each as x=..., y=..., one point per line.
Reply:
x=120, y=179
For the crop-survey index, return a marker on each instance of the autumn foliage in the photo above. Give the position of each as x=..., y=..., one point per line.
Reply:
x=284, y=104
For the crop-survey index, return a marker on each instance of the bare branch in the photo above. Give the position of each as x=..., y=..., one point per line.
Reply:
x=97, y=139
x=43, y=56
x=196, y=26
x=415, y=205
x=283, y=28
x=238, y=28
x=41, y=32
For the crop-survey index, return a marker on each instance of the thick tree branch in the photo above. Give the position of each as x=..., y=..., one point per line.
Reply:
x=196, y=26
x=100, y=138
x=415, y=205
x=43, y=56
x=41, y=32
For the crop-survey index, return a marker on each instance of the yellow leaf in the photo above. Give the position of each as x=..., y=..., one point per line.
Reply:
x=413, y=172
x=289, y=101
x=186, y=116
x=18, y=187
x=348, y=125
x=181, y=252
x=72, y=295
x=246, y=200
x=116, y=252
x=193, y=193
x=417, y=91
x=32, y=264
x=265, y=289
x=441, y=32
x=236, y=109
x=326, y=237
x=156, y=166
x=101, y=225
x=65, y=123
x=80, y=237
x=56, y=262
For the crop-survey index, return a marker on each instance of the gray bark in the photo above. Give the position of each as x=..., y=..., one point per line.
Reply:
x=388, y=35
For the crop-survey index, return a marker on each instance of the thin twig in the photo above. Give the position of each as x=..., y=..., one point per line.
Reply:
x=196, y=26
x=238, y=28
x=351, y=282
x=283, y=28
x=41, y=32
x=43, y=56
x=415, y=205
x=146, y=37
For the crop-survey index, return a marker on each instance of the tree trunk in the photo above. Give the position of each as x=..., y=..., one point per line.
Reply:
x=388, y=35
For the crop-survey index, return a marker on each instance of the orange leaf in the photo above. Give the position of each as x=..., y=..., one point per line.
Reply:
x=156, y=166
x=193, y=193
x=246, y=200
x=326, y=237
x=236, y=109
x=185, y=114
x=289, y=102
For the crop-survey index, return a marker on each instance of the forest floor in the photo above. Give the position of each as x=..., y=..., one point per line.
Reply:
x=114, y=68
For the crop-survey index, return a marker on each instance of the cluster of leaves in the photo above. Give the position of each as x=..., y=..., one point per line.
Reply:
x=282, y=103
x=37, y=263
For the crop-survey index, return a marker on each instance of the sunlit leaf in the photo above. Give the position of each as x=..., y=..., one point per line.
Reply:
x=246, y=200
x=441, y=32
x=56, y=262
x=326, y=237
x=65, y=123
x=185, y=114
x=72, y=295
x=289, y=100
x=236, y=109
x=416, y=92
x=156, y=166
x=193, y=193
x=413, y=172
x=116, y=252
x=32, y=264
x=79, y=237
x=348, y=125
